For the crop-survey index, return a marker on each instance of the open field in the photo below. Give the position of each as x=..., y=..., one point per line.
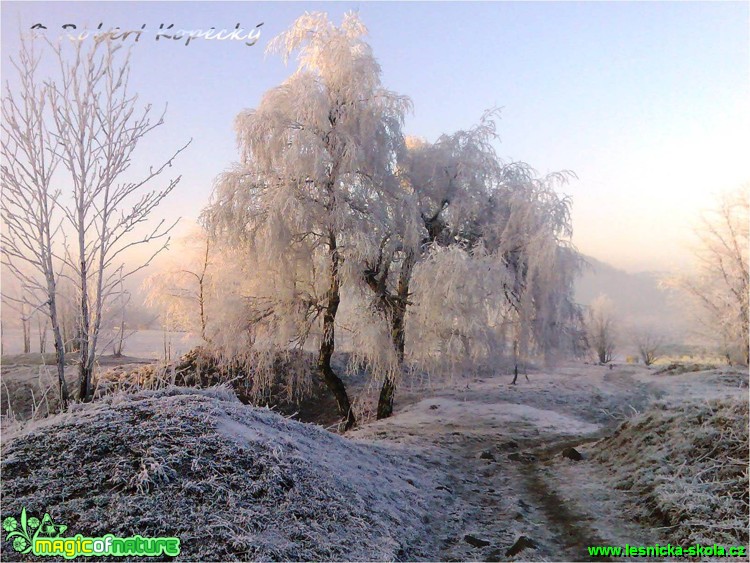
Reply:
x=149, y=344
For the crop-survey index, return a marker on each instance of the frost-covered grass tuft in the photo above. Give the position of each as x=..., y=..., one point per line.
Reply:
x=231, y=481
x=676, y=368
x=689, y=462
x=134, y=378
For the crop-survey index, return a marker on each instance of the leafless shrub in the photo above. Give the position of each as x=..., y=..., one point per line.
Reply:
x=649, y=344
x=600, y=326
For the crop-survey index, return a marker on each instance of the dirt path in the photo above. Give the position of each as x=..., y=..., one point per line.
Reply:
x=497, y=502
x=498, y=449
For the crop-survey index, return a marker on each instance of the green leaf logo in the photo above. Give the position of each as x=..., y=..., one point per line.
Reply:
x=24, y=530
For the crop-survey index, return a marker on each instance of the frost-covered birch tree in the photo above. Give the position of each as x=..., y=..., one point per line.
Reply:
x=31, y=219
x=97, y=126
x=477, y=254
x=449, y=174
x=442, y=243
x=721, y=285
x=314, y=177
x=515, y=238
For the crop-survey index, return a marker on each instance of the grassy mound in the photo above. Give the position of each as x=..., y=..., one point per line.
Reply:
x=231, y=481
x=689, y=462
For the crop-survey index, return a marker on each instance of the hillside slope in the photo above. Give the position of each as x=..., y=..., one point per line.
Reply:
x=231, y=481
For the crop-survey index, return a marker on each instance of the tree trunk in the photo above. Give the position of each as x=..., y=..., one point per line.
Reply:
x=25, y=323
x=42, y=336
x=60, y=361
x=398, y=334
x=202, y=304
x=327, y=343
x=604, y=355
x=59, y=344
x=120, y=337
x=398, y=312
x=202, y=293
x=745, y=332
x=52, y=293
x=26, y=327
x=84, y=368
x=385, y=401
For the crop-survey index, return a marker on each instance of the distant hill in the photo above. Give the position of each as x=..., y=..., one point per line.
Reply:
x=639, y=299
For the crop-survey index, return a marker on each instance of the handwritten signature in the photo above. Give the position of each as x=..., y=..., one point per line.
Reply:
x=165, y=32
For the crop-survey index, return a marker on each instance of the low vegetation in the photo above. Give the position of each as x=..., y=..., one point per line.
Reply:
x=685, y=468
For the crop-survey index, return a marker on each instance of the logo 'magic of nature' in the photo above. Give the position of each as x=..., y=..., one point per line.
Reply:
x=29, y=534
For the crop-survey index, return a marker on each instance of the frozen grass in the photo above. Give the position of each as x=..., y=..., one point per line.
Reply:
x=30, y=392
x=689, y=462
x=232, y=481
x=309, y=400
x=676, y=368
x=134, y=378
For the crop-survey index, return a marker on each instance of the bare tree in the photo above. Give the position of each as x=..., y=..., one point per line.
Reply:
x=98, y=126
x=67, y=313
x=200, y=279
x=183, y=290
x=720, y=285
x=601, y=328
x=26, y=314
x=649, y=344
x=84, y=125
x=29, y=207
x=42, y=332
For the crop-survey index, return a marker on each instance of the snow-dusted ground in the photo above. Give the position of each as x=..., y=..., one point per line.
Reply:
x=231, y=481
x=28, y=385
x=488, y=456
x=498, y=448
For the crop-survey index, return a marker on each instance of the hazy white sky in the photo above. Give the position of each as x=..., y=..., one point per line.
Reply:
x=646, y=102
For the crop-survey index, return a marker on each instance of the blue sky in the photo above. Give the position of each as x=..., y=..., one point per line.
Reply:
x=646, y=102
